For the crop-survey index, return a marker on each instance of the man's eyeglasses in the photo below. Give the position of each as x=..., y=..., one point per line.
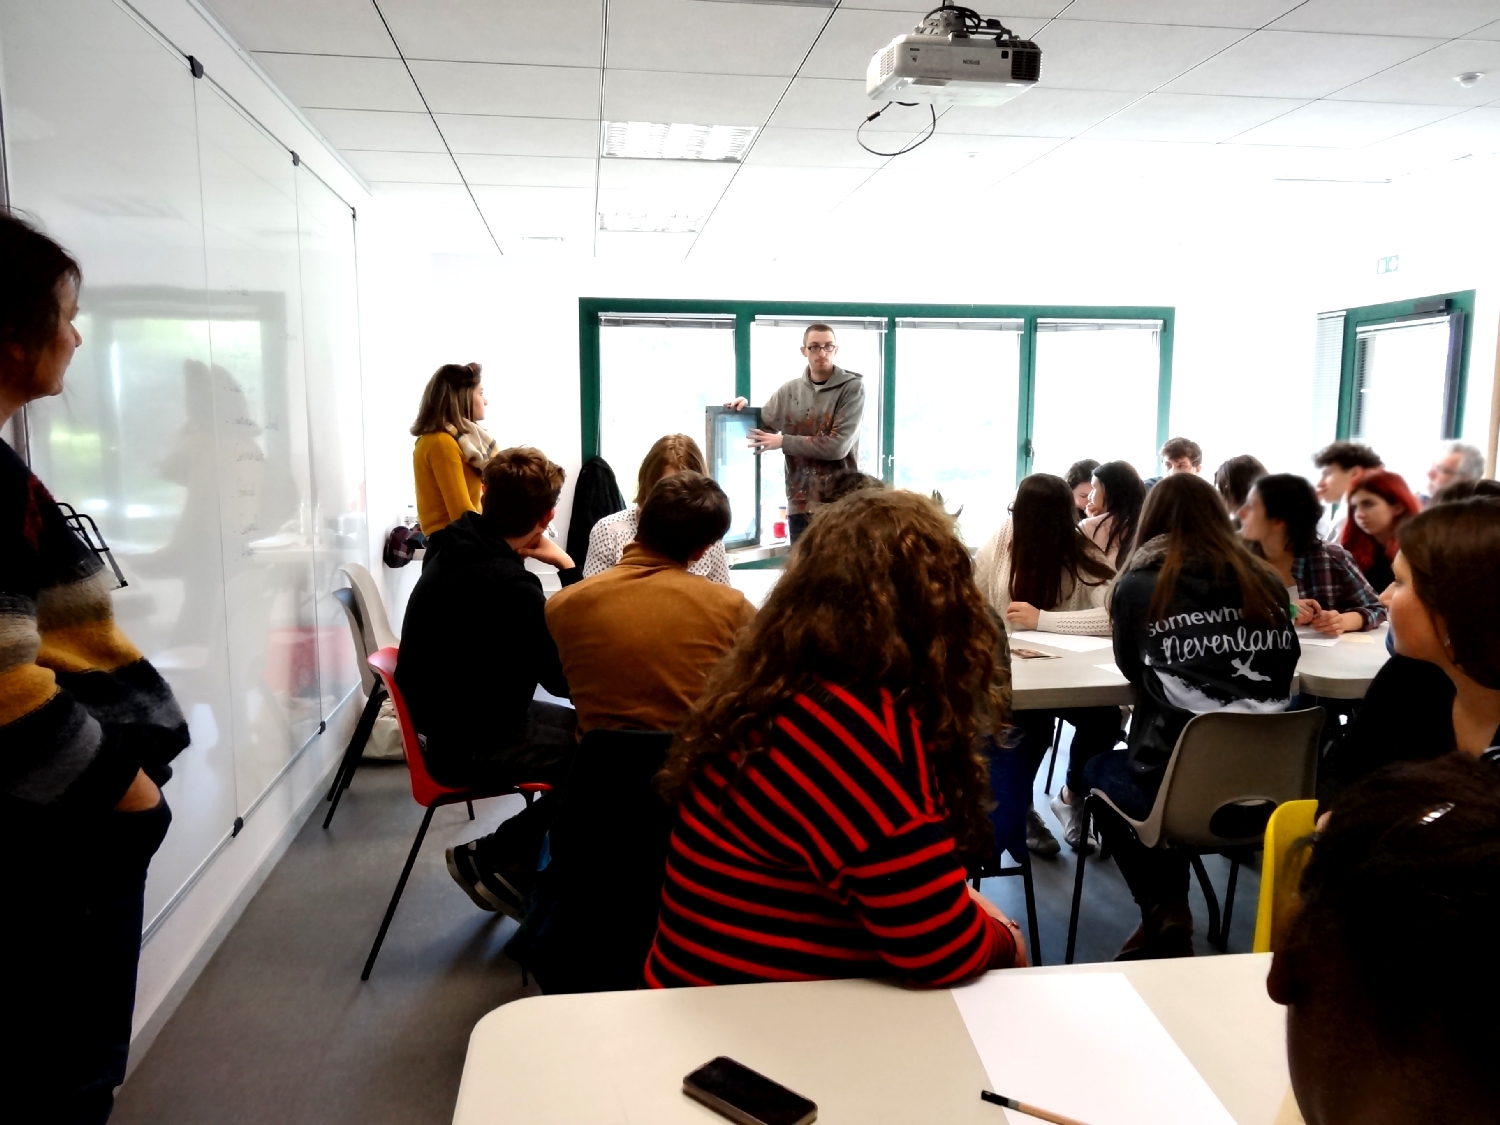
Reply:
x=828, y=348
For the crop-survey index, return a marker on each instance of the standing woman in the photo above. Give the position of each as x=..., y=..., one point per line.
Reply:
x=451, y=446
x=87, y=729
x=1201, y=625
x=673, y=454
x=1114, y=507
x=1378, y=505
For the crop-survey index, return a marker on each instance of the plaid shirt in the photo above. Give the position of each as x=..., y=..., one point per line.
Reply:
x=1329, y=575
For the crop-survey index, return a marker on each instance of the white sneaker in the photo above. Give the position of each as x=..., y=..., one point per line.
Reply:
x=1071, y=819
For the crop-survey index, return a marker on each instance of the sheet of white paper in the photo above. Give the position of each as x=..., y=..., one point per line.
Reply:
x=1112, y=668
x=1119, y=1065
x=1067, y=641
x=1313, y=637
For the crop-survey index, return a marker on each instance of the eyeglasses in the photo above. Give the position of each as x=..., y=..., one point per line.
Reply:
x=828, y=348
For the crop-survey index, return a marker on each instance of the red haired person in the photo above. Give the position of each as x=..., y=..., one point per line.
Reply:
x=1378, y=506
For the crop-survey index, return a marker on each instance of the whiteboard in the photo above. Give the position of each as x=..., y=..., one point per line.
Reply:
x=211, y=421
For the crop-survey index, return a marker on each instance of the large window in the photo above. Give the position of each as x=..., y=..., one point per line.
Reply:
x=962, y=400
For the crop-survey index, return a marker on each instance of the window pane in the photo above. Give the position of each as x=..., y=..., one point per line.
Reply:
x=656, y=380
x=1096, y=389
x=776, y=358
x=967, y=452
x=1399, y=408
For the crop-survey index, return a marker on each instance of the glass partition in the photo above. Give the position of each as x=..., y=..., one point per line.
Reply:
x=956, y=405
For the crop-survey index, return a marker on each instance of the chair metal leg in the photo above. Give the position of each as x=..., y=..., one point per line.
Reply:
x=1031, y=923
x=1077, y=886
x=1213, y=900
x=471, y=809
x=390, y=911
x=354, y=751
x=1234, y=875
x=1052, y=765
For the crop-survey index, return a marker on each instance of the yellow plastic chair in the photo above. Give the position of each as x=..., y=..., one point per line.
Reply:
x=1281, y=869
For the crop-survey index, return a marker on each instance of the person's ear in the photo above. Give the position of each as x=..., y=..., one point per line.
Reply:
x=1285, y=983
x=547, y=521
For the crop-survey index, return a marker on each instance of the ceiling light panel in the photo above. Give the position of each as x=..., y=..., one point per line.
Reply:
x=639, y=223
x=650, y=140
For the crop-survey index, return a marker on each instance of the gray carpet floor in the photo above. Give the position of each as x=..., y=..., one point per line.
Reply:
x=279, y=1028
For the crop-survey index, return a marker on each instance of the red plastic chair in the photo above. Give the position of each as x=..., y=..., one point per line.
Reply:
x=425, y=789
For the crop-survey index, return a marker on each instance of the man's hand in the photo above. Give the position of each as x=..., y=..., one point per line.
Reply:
x=547, y=551
x=738, y=404
x=1307, y=611
x=763, y=442
x=1021, y=961
x=141, y=796
x=1330, y=623
x=1022, y=615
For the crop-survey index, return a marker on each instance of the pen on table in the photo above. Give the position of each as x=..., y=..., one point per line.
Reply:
x=1030, y=1110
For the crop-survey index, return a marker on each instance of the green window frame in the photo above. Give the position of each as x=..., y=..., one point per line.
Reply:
x=1366, y=315
x=745, y=312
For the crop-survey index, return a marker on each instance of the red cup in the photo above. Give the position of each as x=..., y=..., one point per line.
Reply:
x=778, y=529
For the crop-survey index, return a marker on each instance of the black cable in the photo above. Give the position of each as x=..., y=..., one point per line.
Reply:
x=927, y=136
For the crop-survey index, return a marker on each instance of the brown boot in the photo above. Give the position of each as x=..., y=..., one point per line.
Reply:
x=1166, y=931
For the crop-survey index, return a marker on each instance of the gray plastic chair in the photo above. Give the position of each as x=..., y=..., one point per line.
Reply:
x=1227, y=774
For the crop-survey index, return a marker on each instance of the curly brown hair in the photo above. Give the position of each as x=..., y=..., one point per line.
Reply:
x=878, y=592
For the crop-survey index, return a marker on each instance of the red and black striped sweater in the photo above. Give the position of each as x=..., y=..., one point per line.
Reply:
x=827, y=856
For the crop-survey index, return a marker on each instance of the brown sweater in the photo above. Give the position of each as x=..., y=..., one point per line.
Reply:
x=638, y=640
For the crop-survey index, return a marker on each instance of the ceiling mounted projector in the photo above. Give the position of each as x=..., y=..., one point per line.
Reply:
x=954, y=56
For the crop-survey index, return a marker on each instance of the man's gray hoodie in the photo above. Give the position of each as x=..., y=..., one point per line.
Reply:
x=819, y=424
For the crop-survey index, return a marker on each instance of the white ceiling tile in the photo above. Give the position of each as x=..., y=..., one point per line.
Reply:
x=694, y=99
x=559, y=33
x=1039, y=112
x=508, y=89
x=334, y=27
x=1083, y=55
x=1201, y=13
x=440, y=218
x=531, y=210
x=1430, y=78
x=690, y=35
x=373, y=129
x=528, y=171
x=811, y=148
x=1011, y=9
x=960, y=162
x=403, y=167
x=520, y=136
x=341, y=82
x=840, y=103
x=1490, y=31
x=636, y=246
x=1191, y=117
x=1438, y=19
x=671, y=177
x=1328, y=124
x=1297, y=64
x=770, y=188
x=854, y=34
x=1474, y=132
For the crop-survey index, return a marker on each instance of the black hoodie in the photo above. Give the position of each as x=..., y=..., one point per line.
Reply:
x=474, y=645
x=1201, y=656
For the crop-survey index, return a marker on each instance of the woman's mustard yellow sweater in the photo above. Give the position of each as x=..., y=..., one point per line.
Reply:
x=447, y=485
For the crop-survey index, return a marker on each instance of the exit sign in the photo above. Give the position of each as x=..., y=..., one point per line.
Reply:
x=1388, y=265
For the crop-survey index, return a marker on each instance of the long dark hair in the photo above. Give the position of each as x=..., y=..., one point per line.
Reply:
x=34, y=267
x=447, y=400
x=1124, y=493
x=1390, y=487
x=1234, y=479
x=1186, y=510
x=879, y=591
x=1452, y=550
x=1290, y=499
x=1049, y=555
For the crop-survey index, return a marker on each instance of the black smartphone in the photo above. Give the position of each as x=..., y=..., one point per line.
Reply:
x=742, y=1095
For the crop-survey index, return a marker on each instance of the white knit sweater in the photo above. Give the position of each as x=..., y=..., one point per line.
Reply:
x=1083, y=609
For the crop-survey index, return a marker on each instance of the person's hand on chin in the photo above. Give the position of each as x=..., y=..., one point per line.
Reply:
x=545, y=550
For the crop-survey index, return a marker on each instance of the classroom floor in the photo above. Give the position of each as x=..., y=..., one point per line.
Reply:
x=279, y=1027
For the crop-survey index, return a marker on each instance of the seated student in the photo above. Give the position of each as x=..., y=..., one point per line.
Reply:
x=1441, y=691
x=1039, y=557
x=1114, y=506
x=830, y=774
x=452, y=447
x=1280, y=522
x=1233, y=480
x=1341, y=464
x=1465, y=490
x=1456, y=462
x=844, y=481
x=1378, y=505
x=1201, y=625
x=474, y=646
x=1080, y=478
x=1181, y=455
x=675, y=453
x=1383, y=1035
x=638, y=640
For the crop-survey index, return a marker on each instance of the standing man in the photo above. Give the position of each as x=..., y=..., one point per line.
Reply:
x=814, y=421
x=1341, y=464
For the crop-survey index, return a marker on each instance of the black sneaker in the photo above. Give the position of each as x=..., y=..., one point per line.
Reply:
x=488, y=892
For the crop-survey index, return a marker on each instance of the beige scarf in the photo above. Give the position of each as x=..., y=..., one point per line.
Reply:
x=476, y=445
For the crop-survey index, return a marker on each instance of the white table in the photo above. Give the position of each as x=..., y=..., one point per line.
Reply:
x=868, y=1053
x=754, y=582
x=1340, y=671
